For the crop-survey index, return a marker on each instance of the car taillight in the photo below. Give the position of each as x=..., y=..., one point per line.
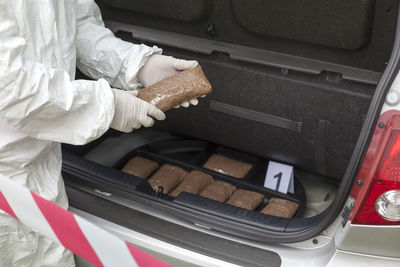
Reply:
x=377, y=190
x=387, y=205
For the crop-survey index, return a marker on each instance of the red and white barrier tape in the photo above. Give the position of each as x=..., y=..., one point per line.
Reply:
x=82, y=237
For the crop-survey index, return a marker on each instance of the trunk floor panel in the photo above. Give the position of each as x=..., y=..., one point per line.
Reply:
x=191, y=155
x=115, y=150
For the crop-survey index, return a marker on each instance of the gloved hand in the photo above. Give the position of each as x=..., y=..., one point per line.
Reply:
x=159, y=67
x=132, y=112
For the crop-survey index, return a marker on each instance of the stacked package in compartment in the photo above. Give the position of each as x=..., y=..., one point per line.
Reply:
x=175, y=180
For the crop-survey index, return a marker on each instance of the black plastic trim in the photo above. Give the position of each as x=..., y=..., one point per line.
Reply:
x=321, y=146
x=244, y=53
x=294, y=126
x=212, y=246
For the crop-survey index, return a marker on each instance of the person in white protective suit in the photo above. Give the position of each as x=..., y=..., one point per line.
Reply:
x=41, y=105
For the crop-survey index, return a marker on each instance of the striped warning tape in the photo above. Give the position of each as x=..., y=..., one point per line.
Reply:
x=82, y=237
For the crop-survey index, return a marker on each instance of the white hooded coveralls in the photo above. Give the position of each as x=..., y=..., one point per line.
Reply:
x=41, y=43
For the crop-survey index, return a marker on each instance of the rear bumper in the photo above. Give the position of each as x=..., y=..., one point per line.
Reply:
x=293, y=256
x=171, y=241
x=343, y=259
x=174, y=255
x=191, y=245
x=380, y=240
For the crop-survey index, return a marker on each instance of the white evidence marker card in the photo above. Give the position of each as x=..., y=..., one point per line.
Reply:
x=279, y=177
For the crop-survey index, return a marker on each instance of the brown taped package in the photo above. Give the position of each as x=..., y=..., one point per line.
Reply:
x=246, y=199
x=140, y=167
x=174, y=90
x=227, y=166
x=218, y=190
x=168, y=177
x=193, y=183
x=280, y=208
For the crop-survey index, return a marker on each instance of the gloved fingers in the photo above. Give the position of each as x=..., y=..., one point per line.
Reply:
x=155, y=113
x=181, y=64
x=124, y=130
x=147, y=122
x=134, y=92
x=194, y=102
x=136, y=124
x=185, y=104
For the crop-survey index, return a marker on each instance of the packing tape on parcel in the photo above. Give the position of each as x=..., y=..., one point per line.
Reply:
x=82, y=237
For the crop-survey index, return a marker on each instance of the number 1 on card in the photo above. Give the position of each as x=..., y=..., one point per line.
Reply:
x=279, y=177
x=278, y=183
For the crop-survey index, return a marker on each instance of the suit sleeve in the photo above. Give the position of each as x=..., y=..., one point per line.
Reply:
x=42, y=101
x=102, y=55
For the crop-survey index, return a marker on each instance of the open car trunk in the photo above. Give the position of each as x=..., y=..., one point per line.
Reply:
x=291, y=83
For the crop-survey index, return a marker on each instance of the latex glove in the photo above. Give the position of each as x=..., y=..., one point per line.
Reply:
x=193, y=102
x=159, y=67
x=132, y=112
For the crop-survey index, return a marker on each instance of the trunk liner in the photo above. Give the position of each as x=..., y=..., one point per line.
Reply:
x=190, y=155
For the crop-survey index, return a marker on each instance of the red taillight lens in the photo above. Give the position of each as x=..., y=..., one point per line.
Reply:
x=378, y=190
